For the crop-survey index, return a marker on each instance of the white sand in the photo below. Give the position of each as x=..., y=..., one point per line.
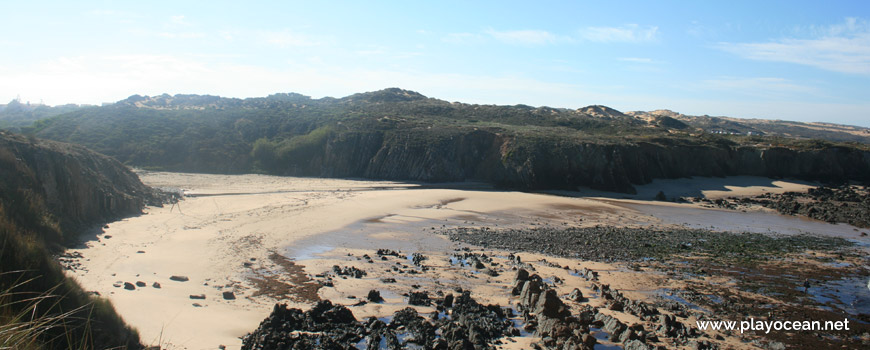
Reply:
x=233, y=220
x=209, y=238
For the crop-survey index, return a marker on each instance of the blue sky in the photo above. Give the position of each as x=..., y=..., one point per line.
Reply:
x=792, y=60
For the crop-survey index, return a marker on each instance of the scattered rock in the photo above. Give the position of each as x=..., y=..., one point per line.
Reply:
x=197, y=296
x=419, y=298
x=179, y=278
x=575, y=295
x=374, y=296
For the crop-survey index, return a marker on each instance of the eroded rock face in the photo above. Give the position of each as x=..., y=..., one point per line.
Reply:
x=49, y=192
x=79, y=187
x=518, y=162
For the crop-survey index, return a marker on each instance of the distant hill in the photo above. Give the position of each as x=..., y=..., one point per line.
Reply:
x=760, y=127
x=402, y=135
x=15, y=116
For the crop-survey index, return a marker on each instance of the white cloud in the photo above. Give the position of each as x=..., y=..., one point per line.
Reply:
x=629, y=33
x=461, y=38
x=179, y=20
x=841, y=48
x=182, y=35
x=287, y=38
x=758, y=86
x=523, y=37
x=635, y=59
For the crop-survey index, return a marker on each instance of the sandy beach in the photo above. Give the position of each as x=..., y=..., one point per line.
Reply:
x=244, y=233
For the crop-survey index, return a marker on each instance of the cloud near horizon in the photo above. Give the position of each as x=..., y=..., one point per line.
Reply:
x=524, y=37
x=629, y=33
x=843, y=48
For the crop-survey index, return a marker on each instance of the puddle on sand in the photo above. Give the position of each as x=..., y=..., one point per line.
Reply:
x=307, y=252
x=737, y=221
x=603, y=340
x=851, y=295
x=673, y=295
x=360, y=235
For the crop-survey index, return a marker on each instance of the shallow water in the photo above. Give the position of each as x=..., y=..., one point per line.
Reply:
x=737, y=221
x=670, y=294
x=851, y=295
x=362, y=235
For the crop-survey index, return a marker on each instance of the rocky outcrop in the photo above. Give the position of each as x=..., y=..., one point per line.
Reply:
x=78, y=187
x=462, y=323
x=48, y=193
x=561, y=163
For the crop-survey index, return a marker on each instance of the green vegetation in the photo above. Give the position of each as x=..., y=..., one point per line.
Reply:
x=273, y=156
x=19, y=117
x=402, y=135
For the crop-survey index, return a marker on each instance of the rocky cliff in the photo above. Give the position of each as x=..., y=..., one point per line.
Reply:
x=49, y=192
x=78, y=187
x=562, y=163
x=402, y=135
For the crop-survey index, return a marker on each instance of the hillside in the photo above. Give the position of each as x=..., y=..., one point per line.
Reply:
x=759, y=127
x=17, y=117
x=402, y=135
x=50, y=192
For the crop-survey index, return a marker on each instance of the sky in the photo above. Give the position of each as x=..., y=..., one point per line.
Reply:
x=790, y=60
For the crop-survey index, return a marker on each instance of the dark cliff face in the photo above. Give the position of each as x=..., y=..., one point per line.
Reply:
x=78, y=187
x=401, y=135
x=553, y=163
x=49, y=192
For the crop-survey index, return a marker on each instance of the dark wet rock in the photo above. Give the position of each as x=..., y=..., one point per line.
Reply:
x=387, y=252
x=179, y=278
x=627, y=335
x=549, y=305
x=636, y=345
x=702, y=345
x=522, y=275
x=129, y=286
x=616, y=306
x=155, y=285
x=228, y=295
x=326, y=326
x=418, y=259
x=530, y=292
x=448, y=301
x=638, y=244
x=419, y=299
x=576, y=295
x=197, y=296
x=140, y=284
x=348, y=271
x=846, y=204
x=374, y=296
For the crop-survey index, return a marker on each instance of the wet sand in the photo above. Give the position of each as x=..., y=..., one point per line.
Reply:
x=224, y=235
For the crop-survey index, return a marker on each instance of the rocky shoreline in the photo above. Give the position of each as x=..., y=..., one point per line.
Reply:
x=610, y=243
x=849, y=204
x=764, y=278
